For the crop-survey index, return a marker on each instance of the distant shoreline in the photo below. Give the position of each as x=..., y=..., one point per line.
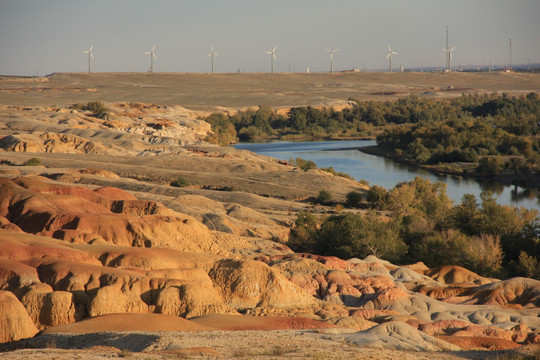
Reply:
x=531, y=181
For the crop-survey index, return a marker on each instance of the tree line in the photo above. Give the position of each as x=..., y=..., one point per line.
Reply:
x=492, y=131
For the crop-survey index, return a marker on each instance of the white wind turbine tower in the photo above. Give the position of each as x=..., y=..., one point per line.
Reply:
x=272, y=57
x=152, y=57
x=331, y=52
x=212, y=54
x=449, y=52
x=389, y=56
x=90, y=56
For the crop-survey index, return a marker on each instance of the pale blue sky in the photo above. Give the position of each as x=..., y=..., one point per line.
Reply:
x=45, y=36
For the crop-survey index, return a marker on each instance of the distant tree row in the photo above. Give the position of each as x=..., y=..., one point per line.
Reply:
x=493, y=132
x=485, y=128
x=423, y=224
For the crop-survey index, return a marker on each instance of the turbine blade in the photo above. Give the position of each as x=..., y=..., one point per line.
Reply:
x=274, y=48
x=389, y=50
x=327, y=50
x=215, y=53
x=387, y=56
x=454, y=48
x=274, y=56
x=153, y=48
x=91, y=55
x=154, y=55
x=91, y=47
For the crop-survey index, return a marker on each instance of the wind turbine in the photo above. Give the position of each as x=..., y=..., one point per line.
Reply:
x=332, y=52
x=90, y=55
x=449, y=52
x=389, y=56
x=152, y=57
x=212, y=54
x=272, y=57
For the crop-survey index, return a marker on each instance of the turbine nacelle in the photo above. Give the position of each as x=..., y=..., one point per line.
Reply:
x=332, y=52
x=390, y=52
x=152, y=52
x=272, y=57
x=273, y=52
x=450, y=51
x=89, y=51
x=212, y=52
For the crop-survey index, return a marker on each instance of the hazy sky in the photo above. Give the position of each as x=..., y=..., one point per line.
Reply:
x=46, y=36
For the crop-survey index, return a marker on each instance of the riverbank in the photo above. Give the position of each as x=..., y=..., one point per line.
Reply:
x=458, y=169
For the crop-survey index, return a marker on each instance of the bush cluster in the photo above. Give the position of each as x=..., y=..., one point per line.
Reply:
x=97, y=108
x=180, y=182
x=422, y=225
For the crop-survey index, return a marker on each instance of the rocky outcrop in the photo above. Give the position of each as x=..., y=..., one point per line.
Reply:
x=16, y=323
x=69, y=253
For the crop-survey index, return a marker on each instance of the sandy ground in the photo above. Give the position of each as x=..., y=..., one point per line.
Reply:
x=278, y=344
x=205, y=92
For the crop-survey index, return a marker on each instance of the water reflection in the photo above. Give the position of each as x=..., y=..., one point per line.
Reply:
x=384, y=172
x=519, y=193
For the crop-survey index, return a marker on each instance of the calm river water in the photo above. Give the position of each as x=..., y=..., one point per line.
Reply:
x=384, y=172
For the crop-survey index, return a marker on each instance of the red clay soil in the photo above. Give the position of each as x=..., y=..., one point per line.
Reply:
x=479, y=342
x=235, y=322
x=128, y=322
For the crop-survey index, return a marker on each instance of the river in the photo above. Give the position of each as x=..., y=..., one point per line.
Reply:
x=344, y=157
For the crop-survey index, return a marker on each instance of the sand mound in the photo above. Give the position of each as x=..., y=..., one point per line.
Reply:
x=520, y=291
x=127, y=322
x=480, y=343
x=398, y=336
x=246, y=322
x=452, y=274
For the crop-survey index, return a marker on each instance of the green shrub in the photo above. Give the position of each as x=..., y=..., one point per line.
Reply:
x=351, y=235
x=97, y=108
x=223, y=131
x=378, y=197
x=33, y=162
x=529, y=265
x=332, y=171
x=303, y=164
x=302, y=237
x=180, y=182
x=491, y=165
x=354, y=199
x=324, y=197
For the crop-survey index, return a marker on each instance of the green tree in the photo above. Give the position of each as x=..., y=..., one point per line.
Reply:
x=303, y=235
x=324, y=197
x=223, y=130
x=354, y=199
x=491, y=165
x=350, y=235
x=378, y=197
